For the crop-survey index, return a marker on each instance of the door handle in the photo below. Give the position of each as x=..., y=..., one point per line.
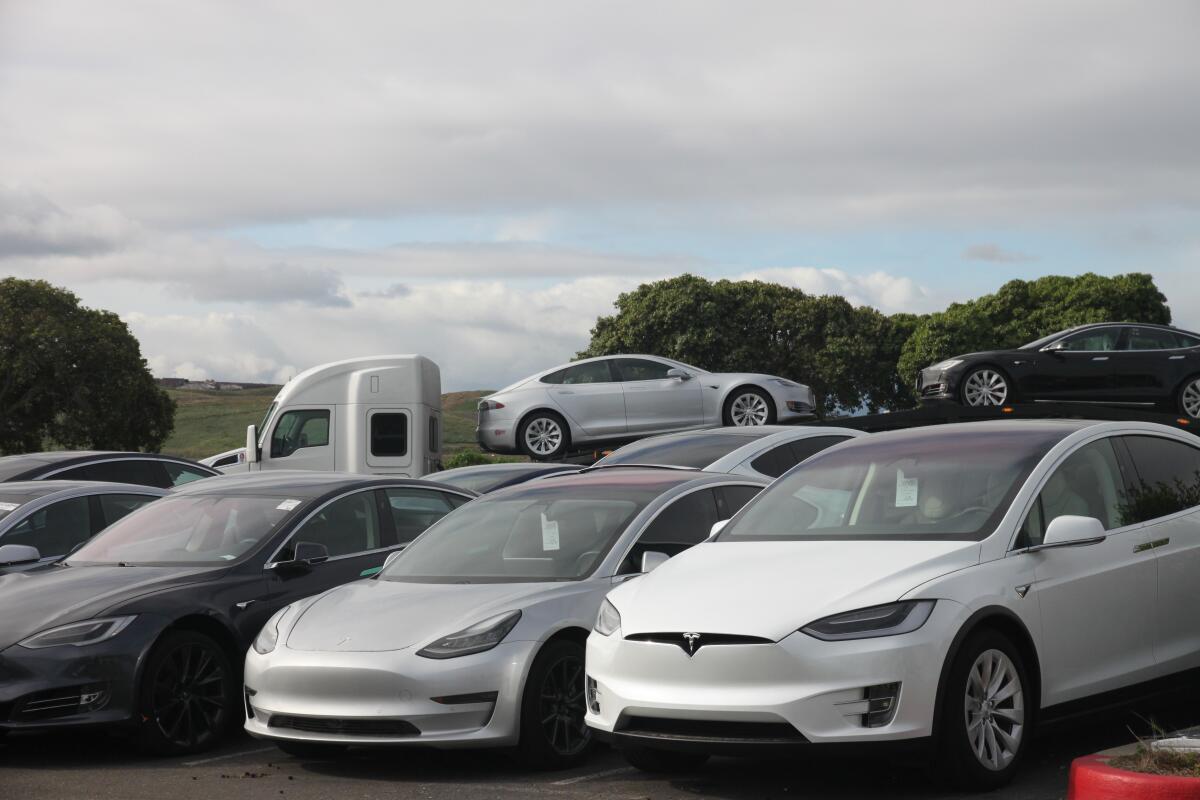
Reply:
x=1144, y=546
x=564, y=391
x=1099, y=358
x=1176, y=358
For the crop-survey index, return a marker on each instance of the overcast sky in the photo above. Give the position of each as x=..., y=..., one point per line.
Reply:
x=257, y=187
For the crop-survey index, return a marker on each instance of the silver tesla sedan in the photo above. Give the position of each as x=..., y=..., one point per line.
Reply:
x=618, y=398
x=474, y=635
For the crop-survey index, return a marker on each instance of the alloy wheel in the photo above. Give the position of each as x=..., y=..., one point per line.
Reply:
x=562, y=709
x=985, y=387
x=189, y=695
x=994, y=709
x=543, y=436
x=1191, y=399
x=749, y=409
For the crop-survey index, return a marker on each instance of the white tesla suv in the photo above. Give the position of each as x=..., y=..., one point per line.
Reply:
x=950, y=584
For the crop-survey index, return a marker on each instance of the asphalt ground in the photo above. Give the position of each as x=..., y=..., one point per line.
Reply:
x=95, y=765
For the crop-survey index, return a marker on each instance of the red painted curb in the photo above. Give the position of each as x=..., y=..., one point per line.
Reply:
x=1093, y=779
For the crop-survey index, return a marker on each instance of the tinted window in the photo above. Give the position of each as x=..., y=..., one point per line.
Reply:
x=592, y=372
x=348, y=525
x=115, y=506
x=141, y=471
x=685, y=522
x=182, y=473
x=1187, y=340
x=730, y=499
x=696, y=450
x=228, y=461
x=1093, y=340
x=923, y=485
x=414, y=510
x=779, y=460
x=1088, y=484
x=1167, y=480
x=389, y=434
x=54, y=530
x=10, y=502
x=296, y=429
x=640, y=369
x=434, y=443
x=1150, y=339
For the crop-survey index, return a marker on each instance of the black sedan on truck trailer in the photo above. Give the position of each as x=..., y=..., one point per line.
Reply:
x=146, y=625
x=1109, y=363
x=145, y=469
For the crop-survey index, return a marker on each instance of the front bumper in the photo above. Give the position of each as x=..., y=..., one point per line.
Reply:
x=68, y=686
x=793, y=403
x=799, y=690
x=387, y=698
x=937, y=385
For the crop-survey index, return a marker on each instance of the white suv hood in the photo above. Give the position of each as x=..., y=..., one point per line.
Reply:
x=771, y=589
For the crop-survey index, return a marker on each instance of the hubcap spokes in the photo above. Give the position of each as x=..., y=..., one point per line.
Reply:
x=189, y=695
x=994, y=708
x=986, y=388
x=543, y=436
x=562, y=707
x=748, y=409
x=1191, y=399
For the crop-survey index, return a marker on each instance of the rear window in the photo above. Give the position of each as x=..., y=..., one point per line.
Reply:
x=696, y=451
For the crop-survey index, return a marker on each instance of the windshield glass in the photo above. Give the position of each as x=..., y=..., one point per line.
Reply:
x=694, y=450
x=536, y=534
x=262, y=426
x=926, y=486
x=485, y=478
x=192, y=530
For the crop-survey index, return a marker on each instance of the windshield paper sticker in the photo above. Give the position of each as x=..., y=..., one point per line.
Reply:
x=287, y=505
x=906, y=490
x=6, y=507
x=549, y=534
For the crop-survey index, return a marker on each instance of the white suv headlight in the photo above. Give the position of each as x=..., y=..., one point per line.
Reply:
x=608, y=620
x=90, y=631
x=892, y=619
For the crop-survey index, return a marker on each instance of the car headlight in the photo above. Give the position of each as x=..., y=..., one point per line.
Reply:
x=608, y=620
x=891, y=619
x=479, y=637
x=91, y=631
x=268, y=637
x=947, y=364
x=786, y=382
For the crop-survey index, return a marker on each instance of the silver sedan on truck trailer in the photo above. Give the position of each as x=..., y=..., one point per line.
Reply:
x=611, y=399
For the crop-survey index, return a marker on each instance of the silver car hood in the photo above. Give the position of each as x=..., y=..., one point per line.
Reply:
x=377, y=615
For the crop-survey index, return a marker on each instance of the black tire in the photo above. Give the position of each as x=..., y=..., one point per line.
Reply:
x=310, y=751
x=730, y=415
x=957, y=762
x=666, y=762
x=553, y=733
x=544, y=421
x=1189, y=394
x=188, y=700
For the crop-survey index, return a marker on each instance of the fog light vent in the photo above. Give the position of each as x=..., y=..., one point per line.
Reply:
x=593, y=695
x=881, y=704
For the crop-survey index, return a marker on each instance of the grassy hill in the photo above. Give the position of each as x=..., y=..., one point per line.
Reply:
x=208, y=422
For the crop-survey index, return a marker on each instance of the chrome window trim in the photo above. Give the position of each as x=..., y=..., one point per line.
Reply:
x=145, y=457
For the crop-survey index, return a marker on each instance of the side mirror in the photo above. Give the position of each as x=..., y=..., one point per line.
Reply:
x=681, y=374
x=1054, y=347
x=652, y=560
x=717, y=527
x=306, y=555
x=1072, y=531
x=18, y=554
x=251, y=444
x=392, y=557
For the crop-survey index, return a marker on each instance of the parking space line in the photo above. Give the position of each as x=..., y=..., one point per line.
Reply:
x=227, y=755
x=593, y=776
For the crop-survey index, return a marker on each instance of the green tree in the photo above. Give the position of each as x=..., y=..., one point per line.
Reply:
x=72, y=376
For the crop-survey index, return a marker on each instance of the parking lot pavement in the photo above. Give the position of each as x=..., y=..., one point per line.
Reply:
x=96, y=766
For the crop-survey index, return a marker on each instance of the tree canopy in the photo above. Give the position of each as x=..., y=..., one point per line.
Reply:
x=854, y=357
x=72, y=376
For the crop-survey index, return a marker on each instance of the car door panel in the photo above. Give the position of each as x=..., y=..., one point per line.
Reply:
x=1082, y=370
x=654, y=402
x=591, y=397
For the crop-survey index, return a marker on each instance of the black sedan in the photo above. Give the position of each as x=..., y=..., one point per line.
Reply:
x=42, y=521
x=1111, y=363
x=147, y=624
x=484, y=478
x=145, y=469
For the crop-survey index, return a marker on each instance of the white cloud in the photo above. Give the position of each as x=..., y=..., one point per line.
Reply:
x=889, y=293
x=995, y=253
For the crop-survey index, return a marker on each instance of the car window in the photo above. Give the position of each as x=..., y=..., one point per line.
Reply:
x=1167, y=479
x=779, y=460
x=55, y=529
x=345, y=526
x=1187, y=340
x=683, y=523
x=1150, y=339
x=228, y=461
x=1093, y=340
x=142, y=471
x=1088, y=484
x=389, y=434
x=297, y=429
x=641, y=369
x=182, y=473
x=591, y=372
x=414, y=510
x=730, y=499
x=115, y=506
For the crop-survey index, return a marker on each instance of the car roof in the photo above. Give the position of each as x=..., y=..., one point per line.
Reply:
x=303, y=484
x=1033, y=428
x=620, y=475
x=1155, y=325
x=505, y=466
x=34, y=489
x=17, y=465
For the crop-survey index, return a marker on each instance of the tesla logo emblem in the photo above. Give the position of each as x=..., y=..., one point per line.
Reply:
x=691, y=639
